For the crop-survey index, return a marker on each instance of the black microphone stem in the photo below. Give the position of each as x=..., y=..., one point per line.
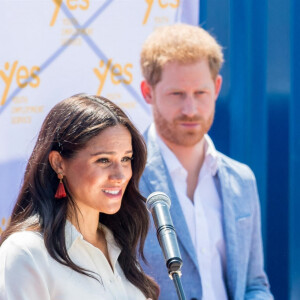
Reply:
x=178, y=286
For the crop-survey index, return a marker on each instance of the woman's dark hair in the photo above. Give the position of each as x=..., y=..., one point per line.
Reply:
x=66, y=129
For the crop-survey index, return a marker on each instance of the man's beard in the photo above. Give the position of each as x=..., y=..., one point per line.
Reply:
x=172, y=132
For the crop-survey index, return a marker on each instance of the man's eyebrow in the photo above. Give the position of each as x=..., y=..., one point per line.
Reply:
x=201, y=87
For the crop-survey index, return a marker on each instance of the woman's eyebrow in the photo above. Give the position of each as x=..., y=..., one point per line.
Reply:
x=109, y=152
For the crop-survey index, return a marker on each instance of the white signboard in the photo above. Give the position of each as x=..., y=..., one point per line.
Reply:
x=52, y=49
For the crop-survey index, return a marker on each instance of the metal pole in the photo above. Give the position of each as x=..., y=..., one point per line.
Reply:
x=178, y=285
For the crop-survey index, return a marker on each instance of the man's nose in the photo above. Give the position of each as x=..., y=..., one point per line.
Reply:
x=189, y=106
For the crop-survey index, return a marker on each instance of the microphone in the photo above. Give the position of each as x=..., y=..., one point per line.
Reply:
x=158, y=204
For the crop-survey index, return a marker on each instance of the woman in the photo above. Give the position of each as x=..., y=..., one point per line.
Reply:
x=79, y=217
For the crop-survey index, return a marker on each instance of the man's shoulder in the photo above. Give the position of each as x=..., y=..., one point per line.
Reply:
x=235, y=167
x=148, y=135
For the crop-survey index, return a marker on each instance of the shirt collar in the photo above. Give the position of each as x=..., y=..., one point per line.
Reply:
x=211, y=155
x=72, y=234
x=170, y=158
x=211, y=158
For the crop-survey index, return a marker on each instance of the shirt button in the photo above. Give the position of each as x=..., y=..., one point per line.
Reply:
x=203, y=250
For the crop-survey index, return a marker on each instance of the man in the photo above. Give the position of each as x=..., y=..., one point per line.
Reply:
x=215, y=206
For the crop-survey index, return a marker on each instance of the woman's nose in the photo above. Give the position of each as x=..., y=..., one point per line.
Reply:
x=117, y=173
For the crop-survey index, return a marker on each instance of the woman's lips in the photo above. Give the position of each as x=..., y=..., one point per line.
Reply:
x=112, y=192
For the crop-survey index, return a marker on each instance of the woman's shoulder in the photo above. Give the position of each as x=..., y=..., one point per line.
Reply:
x=23, y=242
x=25, y=266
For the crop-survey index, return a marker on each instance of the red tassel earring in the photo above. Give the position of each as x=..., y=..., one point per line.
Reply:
x=60, y=192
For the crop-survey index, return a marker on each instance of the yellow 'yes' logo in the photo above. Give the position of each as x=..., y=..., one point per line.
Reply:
x=162, y=4
x=118, y=74
x=71, y=5
x=21, y=75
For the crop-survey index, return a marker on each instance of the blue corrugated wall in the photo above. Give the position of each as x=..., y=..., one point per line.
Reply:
x=294, y=155
x=258, y=118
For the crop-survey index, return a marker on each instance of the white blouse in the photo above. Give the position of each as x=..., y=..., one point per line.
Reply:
x=28, y=272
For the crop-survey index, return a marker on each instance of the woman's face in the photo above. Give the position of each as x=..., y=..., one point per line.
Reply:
x=98, y=174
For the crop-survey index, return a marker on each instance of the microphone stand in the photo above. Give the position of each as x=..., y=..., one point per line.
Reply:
x=175, y=276
x=158, y=204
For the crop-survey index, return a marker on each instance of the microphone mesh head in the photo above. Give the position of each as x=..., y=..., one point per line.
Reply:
x=157, y=197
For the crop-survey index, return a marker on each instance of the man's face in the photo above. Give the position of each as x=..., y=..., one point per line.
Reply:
x=183, y=102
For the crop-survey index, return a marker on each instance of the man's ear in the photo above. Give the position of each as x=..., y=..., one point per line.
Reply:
x=218, y=85
x=147, y=91
x=56, y=162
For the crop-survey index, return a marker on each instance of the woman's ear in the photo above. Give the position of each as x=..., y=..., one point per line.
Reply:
x=56, y=162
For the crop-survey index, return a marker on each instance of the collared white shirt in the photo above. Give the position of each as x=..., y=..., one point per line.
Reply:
x=28, y=272
x=203, y=217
